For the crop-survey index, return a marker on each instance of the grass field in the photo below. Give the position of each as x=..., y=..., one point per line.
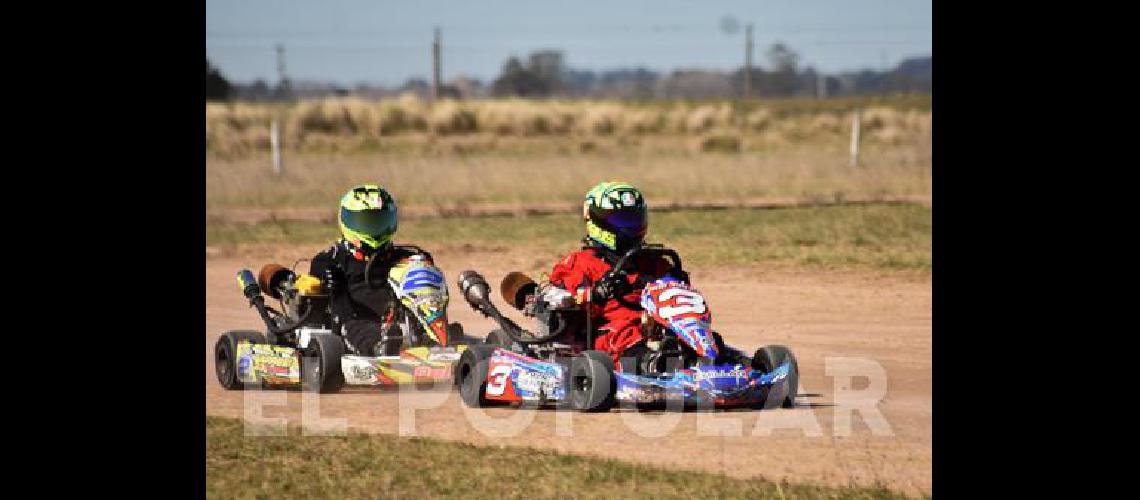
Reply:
x=888, y=236
x=240, y=129
x=362, y=465
x=431, y=181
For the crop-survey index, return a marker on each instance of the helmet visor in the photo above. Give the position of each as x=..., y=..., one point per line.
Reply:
x=375, y=223
x=628, y=223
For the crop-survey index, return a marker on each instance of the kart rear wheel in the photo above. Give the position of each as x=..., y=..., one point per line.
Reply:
x=769, y=357
x=591, y=382
x=225, y=357
x=471, y=375
x=320, y=364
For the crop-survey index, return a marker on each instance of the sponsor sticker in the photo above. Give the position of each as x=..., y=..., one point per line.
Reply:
x=711, y=374
x=536, y=381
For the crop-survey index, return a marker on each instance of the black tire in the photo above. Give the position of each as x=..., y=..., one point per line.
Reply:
x=320, y=364
x=225, y=357
x=591, y=385
x=498, y=337
x=471, y=375
x=769, y=357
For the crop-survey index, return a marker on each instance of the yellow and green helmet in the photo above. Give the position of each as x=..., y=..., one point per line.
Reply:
x=367, y=218
x=616, y=216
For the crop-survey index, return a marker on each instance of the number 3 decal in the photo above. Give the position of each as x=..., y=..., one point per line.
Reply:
x=683, y=303
x=497, y=380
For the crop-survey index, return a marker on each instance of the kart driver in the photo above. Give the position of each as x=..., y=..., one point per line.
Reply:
x=616, y=221
x=367, y=222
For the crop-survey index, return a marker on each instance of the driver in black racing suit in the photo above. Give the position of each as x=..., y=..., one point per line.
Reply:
x=362, y=314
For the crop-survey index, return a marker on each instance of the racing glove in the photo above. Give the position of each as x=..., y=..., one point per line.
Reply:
x=610, y=286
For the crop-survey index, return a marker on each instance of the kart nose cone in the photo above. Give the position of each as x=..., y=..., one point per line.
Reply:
x=439, y=328
x=723, y=378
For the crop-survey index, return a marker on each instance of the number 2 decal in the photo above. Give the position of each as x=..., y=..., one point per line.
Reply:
x=497, y=380
x=683, y=302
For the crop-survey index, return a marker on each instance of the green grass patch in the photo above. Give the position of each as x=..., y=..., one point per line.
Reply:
x=362, y=465
x=883, y=236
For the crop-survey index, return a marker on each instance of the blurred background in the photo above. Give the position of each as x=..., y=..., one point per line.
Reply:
x=262, y=50
x=517, y=108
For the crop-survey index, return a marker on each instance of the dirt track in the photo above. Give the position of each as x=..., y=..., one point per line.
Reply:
x=819, y=314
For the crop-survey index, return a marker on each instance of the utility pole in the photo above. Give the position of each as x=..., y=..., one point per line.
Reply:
x=883, y=79
x=748, y=62
x=435, y=66
x=274, y=126
x=282, y=80
x=280, y=64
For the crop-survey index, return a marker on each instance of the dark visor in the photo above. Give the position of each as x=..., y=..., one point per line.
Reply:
x=627, y=223
x=369, y=222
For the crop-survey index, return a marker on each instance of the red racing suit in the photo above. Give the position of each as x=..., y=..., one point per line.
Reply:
x=619, y=326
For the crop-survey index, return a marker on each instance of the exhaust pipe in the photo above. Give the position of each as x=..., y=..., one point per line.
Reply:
x=474, y=289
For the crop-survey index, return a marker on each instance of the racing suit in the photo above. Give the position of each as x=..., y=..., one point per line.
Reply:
x=361, y=314
x=619, y=327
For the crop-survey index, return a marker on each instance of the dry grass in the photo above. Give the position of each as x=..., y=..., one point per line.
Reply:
x=362, y=465
x=351, y=124
x=537, y=171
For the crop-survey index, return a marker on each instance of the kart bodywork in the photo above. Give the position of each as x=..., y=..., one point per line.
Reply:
x=281, y=365
x=301, y=349
x=512, y=377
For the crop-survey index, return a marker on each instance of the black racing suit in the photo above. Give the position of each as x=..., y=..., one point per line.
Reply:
x=360, y=312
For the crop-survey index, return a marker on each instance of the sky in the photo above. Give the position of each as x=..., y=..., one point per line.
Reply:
x=387, y=42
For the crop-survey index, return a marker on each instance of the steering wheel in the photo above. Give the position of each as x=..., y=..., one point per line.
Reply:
x=617, y=277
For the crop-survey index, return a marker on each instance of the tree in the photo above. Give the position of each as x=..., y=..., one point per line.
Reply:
x=782, y=58
x=217, y=87
x=516, y=80
x=782, y=79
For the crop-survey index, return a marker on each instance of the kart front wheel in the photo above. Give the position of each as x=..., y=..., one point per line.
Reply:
x=225, y=357
x=591, y=382
x=471, y=375
x=320, y=364
x=769, y=358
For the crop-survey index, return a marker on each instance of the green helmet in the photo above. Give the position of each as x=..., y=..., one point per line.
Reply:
x=367, y=219
x=616, y=216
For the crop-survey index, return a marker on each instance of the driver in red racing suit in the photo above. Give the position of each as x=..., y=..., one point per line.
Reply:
x=616, y=220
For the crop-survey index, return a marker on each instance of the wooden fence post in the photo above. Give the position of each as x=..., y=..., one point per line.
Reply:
x=275, y=144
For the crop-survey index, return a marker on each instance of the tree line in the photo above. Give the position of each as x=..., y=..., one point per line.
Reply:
x=543, y=74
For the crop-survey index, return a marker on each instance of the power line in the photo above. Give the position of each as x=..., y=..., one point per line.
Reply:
x=575, y=30
x=515, y=48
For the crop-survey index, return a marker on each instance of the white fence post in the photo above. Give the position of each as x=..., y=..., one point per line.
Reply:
x=855, y=124
x=275, y=144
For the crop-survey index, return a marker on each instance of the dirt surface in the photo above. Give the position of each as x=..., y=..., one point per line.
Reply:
x=823, y=316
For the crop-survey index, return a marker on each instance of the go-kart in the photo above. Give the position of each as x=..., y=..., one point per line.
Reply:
x=683, y=359
x=302, y=348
